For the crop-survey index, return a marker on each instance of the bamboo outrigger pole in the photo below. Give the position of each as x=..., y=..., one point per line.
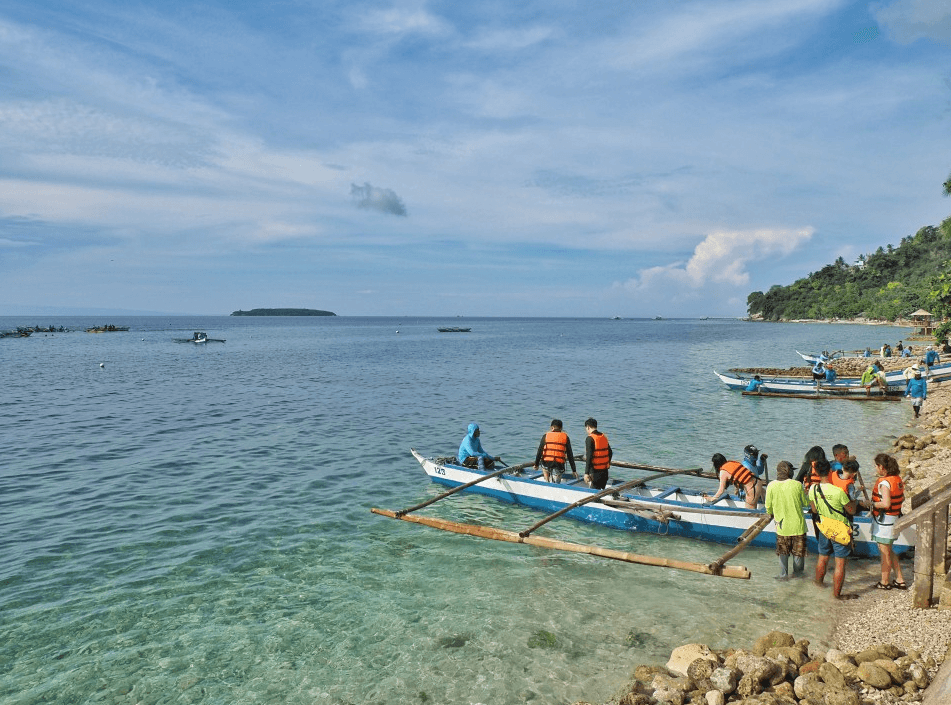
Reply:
x=457, y=488
x=745, y=539
x=488, y=532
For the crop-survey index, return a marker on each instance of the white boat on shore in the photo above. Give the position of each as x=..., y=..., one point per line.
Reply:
x=670, y=510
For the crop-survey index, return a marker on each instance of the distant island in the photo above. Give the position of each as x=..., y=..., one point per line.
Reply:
x=283, y=312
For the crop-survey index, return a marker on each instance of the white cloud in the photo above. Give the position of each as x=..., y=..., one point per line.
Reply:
x=404, y=20
x=910, y=20
x=722, y=258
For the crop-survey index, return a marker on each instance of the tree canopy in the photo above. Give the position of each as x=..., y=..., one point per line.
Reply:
x=886, y=284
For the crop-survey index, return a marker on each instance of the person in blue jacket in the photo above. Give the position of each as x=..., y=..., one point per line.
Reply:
x=471, y=452
x=754, y=384
x=918, y=391
x=931, y=358
x=755, y=462
x=830, y=375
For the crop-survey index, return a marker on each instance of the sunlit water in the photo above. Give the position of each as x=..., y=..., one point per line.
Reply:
x=191, y=524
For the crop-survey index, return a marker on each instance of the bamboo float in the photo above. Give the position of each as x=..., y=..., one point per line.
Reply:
x=745, y=539
x=488, y=532
x=816, y=395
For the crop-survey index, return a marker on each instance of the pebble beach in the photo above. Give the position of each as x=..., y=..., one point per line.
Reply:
x=881, y=631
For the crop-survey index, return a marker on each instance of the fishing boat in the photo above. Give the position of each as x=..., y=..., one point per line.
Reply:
x=802, y=385
x=199, y=337
x=454, y=329
x=640, y=506
x=107, y=329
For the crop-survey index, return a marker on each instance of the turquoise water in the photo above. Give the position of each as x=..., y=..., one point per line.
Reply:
x=191, y=524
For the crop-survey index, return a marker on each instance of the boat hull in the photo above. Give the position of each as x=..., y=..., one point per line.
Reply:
x=666, y=511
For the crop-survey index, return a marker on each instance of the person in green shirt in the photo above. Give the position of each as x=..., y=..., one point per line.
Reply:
x=827, y=500
x=872, y=376
x=785, y=500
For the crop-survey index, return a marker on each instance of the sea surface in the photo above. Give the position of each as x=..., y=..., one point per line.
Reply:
x=191, y=523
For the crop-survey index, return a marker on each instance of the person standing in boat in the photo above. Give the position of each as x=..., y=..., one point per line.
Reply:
x=597, y=456
x=732, y=471
x=785, y=500
x=471, y=452
x=755, y=462
x=553, y=449
x=827, y=500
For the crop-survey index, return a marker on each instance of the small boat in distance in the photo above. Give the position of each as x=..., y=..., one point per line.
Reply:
x=199, y=337
x=454, y=329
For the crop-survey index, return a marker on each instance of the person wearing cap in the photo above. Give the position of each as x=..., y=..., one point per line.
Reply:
x=553, y=450
x=785, y=501
x=909, y=373
x=597, y=456
x=917, y=389
x=872, y=376
x=755, y=462
x=754, y=384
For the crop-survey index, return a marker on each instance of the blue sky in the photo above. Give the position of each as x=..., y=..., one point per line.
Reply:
x=460, y=158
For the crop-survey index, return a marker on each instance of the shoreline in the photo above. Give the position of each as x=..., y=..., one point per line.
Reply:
x=879, y=617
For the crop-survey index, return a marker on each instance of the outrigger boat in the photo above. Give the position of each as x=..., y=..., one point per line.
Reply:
x=454, y=329
x=802, y=386
x=199, y=337
x=822, y=393
x=638, y=506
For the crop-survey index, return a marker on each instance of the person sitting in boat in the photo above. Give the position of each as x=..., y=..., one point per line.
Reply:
x=732, y=471
x=873, y=375
x=597, y=456
x=754, y=384
x=553, y=449
x=831, y=374
x=472, y=454
x=886, y=350
x=867, y=353
x=818, y=372
x=907, y=352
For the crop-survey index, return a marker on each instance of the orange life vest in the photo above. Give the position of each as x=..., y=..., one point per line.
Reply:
x=897, y=491
x=556, y=446
x=841, y=482
x=738, y=472
x=600, y=458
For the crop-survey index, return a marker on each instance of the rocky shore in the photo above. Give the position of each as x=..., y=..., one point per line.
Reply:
x=887, y=652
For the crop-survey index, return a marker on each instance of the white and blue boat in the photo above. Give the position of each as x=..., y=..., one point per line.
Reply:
x=804, y=386
x=671, y=510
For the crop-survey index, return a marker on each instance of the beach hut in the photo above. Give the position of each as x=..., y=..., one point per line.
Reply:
x=924, y=325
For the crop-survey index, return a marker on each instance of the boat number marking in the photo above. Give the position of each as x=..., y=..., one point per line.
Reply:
x=440, y=471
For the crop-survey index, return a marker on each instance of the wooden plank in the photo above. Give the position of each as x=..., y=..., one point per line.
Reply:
x=495, y=534
x=939, y=558
x=927, y=493
x=937, y=500
x=923, y=586
x=657, y=468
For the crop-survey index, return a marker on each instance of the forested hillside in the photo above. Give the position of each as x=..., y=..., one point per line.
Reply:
x=886, y=284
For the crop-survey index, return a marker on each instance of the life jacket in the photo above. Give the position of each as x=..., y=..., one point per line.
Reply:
x=556, y=445
x=841, y=482
x=739, y=473
x=897, y=491
x=600, y=459
x=813, y=479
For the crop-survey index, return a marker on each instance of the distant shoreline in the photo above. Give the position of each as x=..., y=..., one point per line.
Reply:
x=284, y=312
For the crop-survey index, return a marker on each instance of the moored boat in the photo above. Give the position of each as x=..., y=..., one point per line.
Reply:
x=199, y=337
x=454, y=329
x=673, y=510
x=803, y=385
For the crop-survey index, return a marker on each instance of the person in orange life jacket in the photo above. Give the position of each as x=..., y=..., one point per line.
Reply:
x=887, y=497
x=471, y=452
x=827, y=500
x=597, y=456
x=737, y=473
x=844, y=478
x=805, y=474
x=553, y=449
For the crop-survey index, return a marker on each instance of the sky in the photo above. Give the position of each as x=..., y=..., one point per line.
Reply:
x=478, y=158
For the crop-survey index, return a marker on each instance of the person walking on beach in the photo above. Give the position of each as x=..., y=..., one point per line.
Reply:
x=887, y=497
x=597, y=456
x=785, y=500
x=472, y=454
x=827, y=500
x=553, y=450
x=737, y=473
x=917, y=389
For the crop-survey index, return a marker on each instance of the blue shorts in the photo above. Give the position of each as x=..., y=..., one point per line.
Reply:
x=828, y=547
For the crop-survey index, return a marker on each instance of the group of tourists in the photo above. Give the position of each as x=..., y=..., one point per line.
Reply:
x=832, y=494
x=554, y=452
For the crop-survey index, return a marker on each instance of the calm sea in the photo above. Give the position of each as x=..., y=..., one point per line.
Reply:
x=191, y=524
